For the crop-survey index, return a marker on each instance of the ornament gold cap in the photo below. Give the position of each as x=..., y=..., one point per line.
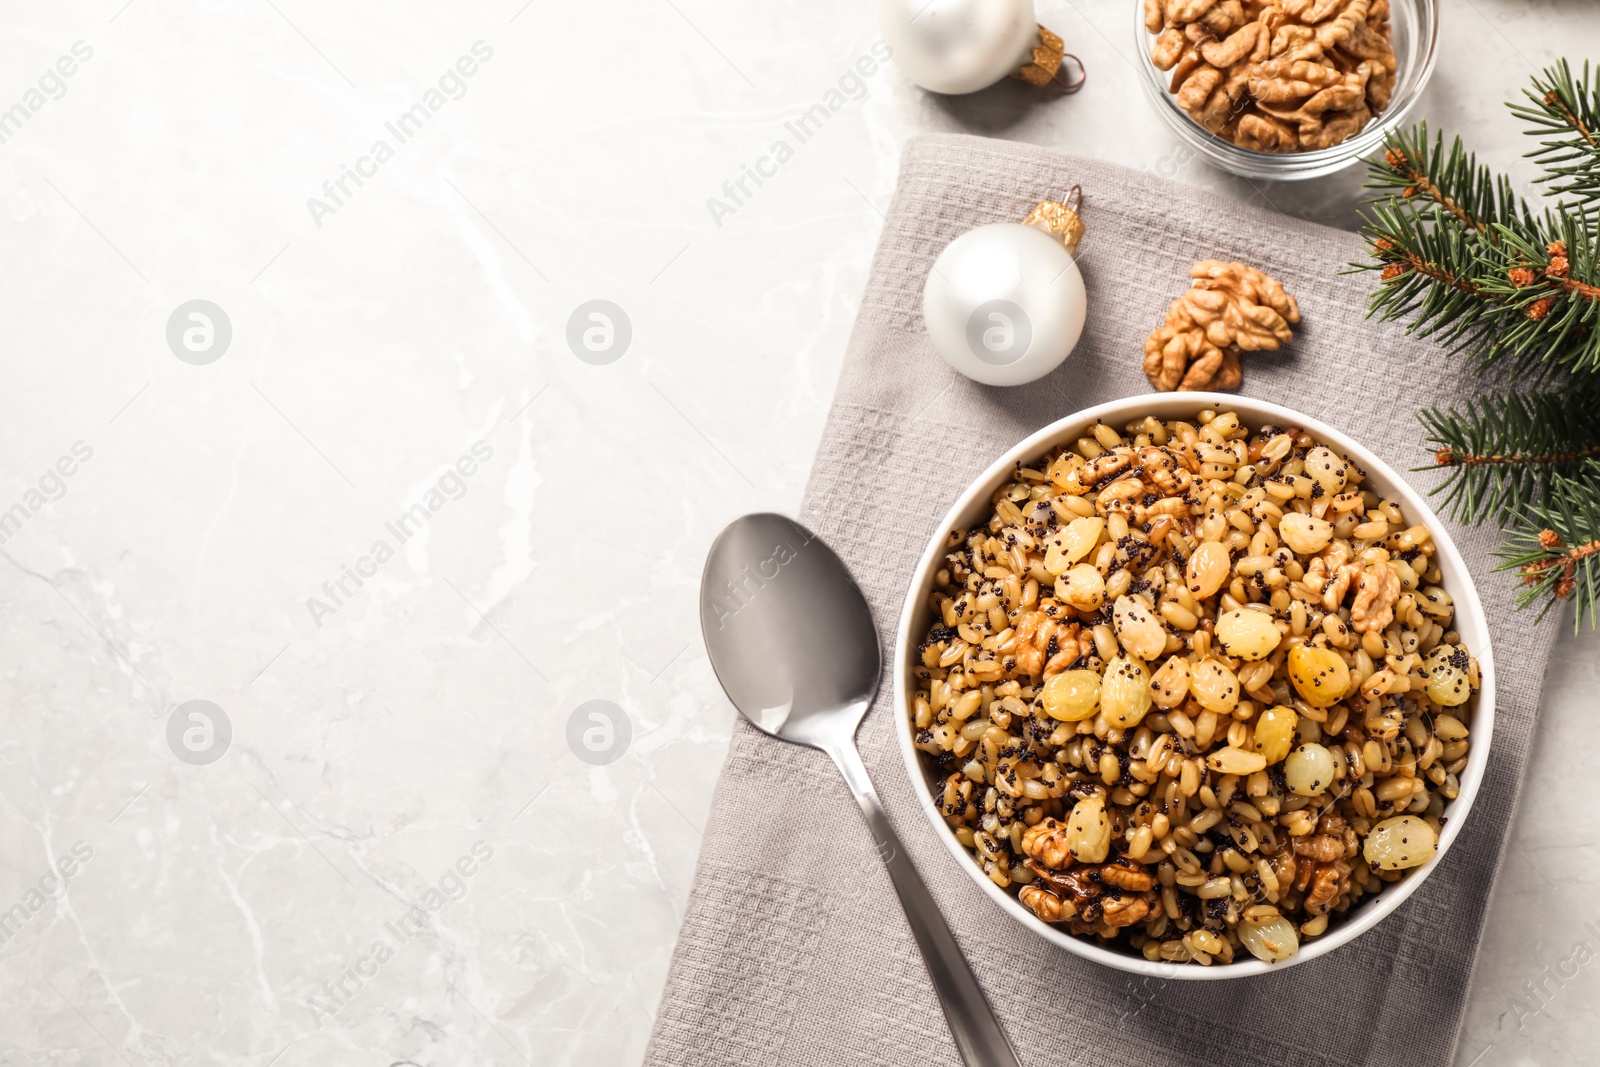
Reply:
x=1045, y=63
x=1060, y=219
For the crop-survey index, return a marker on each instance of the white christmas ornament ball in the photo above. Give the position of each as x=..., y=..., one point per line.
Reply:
x=958, y=46
x=1004, y=304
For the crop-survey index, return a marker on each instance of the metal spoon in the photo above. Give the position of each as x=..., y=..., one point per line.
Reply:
x=791, y=639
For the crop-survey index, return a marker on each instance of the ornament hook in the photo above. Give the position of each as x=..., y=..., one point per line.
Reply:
x=1077, y=83
x=1059, y=219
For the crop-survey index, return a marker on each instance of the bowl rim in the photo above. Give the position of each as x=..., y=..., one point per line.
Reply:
x=1249, y=162
x=1456, y=580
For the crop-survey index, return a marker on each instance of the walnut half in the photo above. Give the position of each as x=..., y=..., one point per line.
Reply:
x=1376, y=597
x=1046, y=844
x=1230, y=308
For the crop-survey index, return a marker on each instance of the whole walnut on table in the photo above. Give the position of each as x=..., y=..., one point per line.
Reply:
x=1279, y=76
x=1231, y=308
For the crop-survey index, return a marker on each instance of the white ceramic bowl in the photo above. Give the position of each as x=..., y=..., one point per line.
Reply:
x=973, y=505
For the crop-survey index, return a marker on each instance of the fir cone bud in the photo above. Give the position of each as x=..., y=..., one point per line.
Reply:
x=1393, y=271
x=1444, y=458
x=1558, y=267
x=1549, y=539
x=1540, y=308
x=1522, y=277
x=1566, y=584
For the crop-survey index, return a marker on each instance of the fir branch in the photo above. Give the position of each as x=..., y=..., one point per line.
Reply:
x=1549, y=290
x=1463, y=260
x=1502, y=453
x=1453, y=180
x=1429, y=273
x=1555, y=546
x=1566, y=111
x=1527, y=290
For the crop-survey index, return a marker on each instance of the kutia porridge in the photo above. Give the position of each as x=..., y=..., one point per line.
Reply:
x=1192, y=689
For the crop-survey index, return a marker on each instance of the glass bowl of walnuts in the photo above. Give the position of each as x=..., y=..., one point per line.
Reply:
x=1285, y=89
x=1194, y=685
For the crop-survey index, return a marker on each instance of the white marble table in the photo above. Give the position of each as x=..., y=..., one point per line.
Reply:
x=398, y=856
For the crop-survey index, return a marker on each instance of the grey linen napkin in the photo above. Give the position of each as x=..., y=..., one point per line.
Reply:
x=793, y=948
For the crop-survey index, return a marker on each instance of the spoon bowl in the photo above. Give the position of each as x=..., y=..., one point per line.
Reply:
x=796, y=650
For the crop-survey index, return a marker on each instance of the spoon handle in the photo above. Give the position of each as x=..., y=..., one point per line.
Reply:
x=972, y=1021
